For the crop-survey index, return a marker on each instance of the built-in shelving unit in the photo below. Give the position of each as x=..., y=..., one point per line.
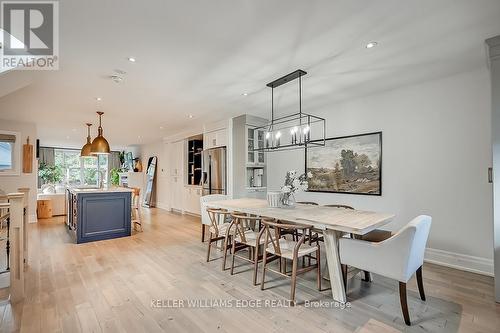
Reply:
x=249, y=164
x=194, y=171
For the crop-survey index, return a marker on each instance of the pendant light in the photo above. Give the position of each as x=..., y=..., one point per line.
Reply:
x=86, y=147
x=100, y=145
x=293, y=131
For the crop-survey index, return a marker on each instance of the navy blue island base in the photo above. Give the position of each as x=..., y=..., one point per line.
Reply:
x=98, y=214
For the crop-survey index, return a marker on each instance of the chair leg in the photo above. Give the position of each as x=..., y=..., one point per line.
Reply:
x=294, y=281
x=404, y=303
x=255, y=264
x=420, y=283
x=233, y=255
x=224, y=255
x=264, y=262
x=344, y=276
x=209, y=244
x=318, y=264
x=366, y=276
x=202, y=233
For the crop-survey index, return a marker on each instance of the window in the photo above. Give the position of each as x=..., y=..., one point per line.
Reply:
x=6, y=155
x=9, y=153
x=81, y=171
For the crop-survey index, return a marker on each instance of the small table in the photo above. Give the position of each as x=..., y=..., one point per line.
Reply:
x=44, y=208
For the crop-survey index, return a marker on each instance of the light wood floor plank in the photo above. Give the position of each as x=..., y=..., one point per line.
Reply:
x=108, y=286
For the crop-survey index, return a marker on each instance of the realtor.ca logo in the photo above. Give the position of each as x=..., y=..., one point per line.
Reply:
x=30, y=35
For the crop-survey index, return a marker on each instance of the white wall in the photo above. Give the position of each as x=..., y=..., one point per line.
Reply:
x=436, y=151
x=11, y=183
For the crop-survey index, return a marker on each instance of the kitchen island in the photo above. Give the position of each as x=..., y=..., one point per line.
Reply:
x=96, y=214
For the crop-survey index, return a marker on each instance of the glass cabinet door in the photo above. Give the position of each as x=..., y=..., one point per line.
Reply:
x=250, y=146
x=260, y=144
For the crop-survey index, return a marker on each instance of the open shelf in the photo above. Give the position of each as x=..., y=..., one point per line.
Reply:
x=195, y=147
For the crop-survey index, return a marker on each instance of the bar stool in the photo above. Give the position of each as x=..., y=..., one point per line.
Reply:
x=219, y=230
x=136, y=214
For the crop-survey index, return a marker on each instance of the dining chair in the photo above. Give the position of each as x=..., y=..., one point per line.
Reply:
x=398, y=257
x=205, y=219
x=247, y=234
x=219, y=230
x=295, y=233
x=375, y=235
x=282, y=248
x=136, y=213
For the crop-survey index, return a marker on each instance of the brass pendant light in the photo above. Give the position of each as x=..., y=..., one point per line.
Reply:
x=100, y=145
x=86, y=148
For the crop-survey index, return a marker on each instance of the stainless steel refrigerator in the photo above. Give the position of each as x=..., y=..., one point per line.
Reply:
x=214, y=171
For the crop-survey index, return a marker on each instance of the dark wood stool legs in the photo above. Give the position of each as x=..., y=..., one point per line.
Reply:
x=404, y=303
x=420, y=283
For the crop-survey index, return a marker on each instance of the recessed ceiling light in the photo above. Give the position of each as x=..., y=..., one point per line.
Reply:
x=116, y=78
x=131, y=59
x=245, y=94
x=98, y=99
x=67, y=137
x=138, y=137
x=190, y=116
x=161, y=127
x=371, y=44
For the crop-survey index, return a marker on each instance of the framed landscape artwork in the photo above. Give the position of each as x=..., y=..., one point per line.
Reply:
x=348, y=164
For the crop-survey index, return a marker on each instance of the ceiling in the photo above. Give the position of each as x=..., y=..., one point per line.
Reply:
x=198, y=57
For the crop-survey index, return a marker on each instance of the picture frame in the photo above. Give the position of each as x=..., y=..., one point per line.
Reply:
x=358, y=171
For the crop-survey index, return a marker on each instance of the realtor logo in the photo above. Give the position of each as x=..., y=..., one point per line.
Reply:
x=30, y=35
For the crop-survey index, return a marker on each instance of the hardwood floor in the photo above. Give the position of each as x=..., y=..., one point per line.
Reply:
x=109, y=286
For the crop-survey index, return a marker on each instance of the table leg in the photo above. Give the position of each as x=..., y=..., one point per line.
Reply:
x=334, y=267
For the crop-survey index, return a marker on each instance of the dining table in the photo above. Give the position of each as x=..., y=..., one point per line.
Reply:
x=332, y=222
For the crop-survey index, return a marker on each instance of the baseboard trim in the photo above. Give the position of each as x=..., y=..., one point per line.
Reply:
x=463, y=262
x=161, y=205
x=191, y=214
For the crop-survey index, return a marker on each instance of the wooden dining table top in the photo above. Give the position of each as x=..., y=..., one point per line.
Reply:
x=321, y=217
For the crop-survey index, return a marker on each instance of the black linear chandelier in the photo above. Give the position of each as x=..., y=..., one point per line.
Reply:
x=294, y=131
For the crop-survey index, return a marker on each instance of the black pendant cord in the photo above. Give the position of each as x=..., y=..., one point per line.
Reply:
x=272, y=109
x=300, y=100
x=300, y=97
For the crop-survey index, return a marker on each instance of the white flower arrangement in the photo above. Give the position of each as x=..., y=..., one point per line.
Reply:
x=294, y=183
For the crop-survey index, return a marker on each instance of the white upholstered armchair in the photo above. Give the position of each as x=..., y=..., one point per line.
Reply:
x=397, y=257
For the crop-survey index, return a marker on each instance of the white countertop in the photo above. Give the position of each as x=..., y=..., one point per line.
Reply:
x=112, y=189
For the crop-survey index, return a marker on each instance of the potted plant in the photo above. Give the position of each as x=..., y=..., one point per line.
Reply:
x=114, y=176
x=50, y=174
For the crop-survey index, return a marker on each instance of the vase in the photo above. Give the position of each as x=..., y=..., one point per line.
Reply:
x=287, y=200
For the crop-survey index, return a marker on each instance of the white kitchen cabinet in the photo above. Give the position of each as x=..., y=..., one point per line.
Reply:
x=215, y=139
x=177, y=158
x=177, y=175
x=192, y=196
